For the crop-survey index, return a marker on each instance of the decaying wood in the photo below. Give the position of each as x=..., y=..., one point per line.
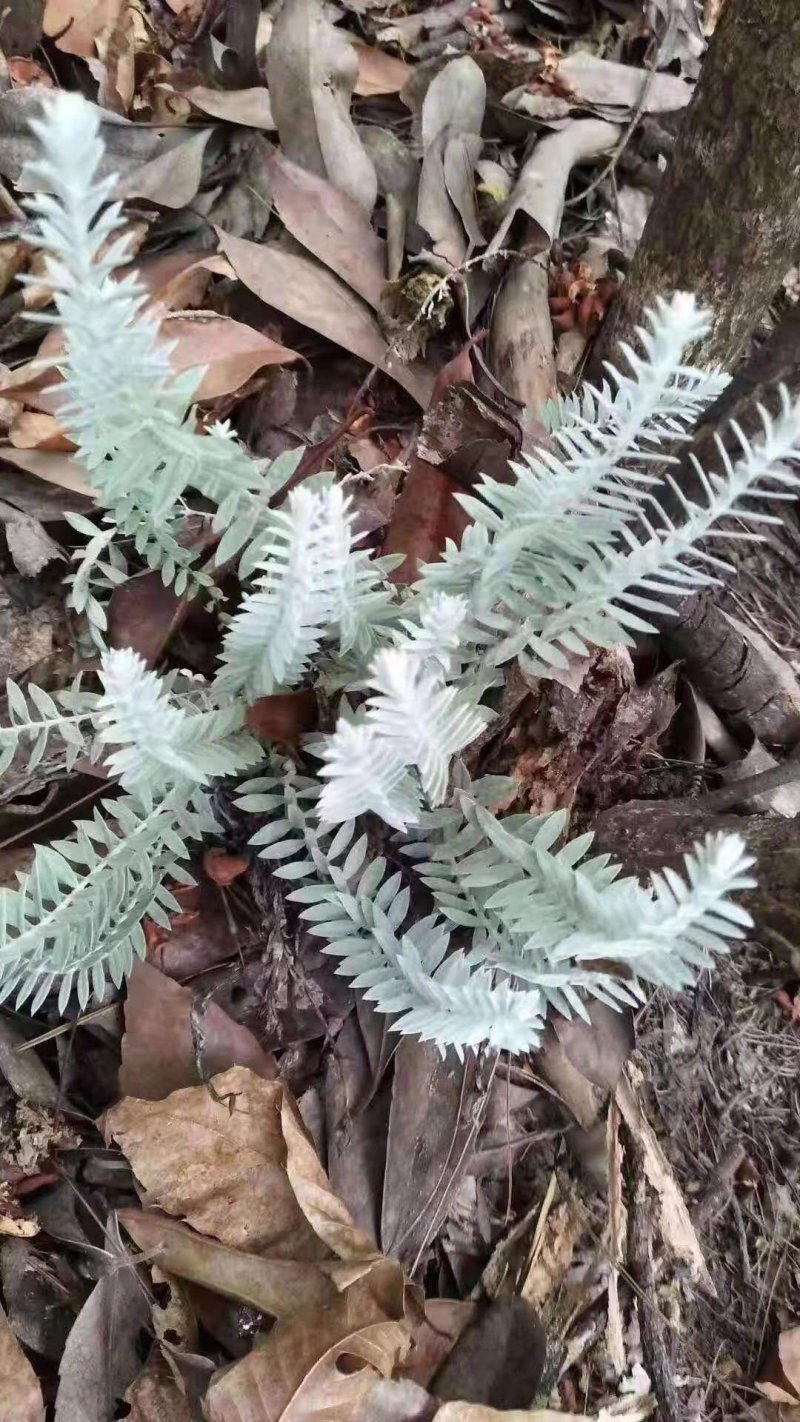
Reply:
x=734, y=667
x=725, y=222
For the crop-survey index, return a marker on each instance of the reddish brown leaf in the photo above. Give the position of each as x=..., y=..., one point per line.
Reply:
x=20, y=1394
x=426, y=513
x=222, y=868
x=379, y=72
x=158, y=1048
x=229, y=351
x=284, y=717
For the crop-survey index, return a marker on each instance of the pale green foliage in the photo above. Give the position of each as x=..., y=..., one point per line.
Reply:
x=121, y=404
x=539, y=918
x=572, y=555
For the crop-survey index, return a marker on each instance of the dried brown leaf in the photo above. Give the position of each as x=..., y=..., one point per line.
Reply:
x=299, y=1372
x=604, y=82
x=100, y=1359
x=427, y=513
x=330, y=225
x=310, y=294
x=228, y=351
x=75, y=25
x=278, y=1287
x=311, y=72
x=215, y=1155
x=250, y=107
x=397, y=171
x=327, y=1215
x=452, y=115
x=378, y=72
x=173, y=176
x=780, y=1381
x=20, y=1393
x=155, y=1397
x=159, y=1052
x=598, y=1049
x=32, y=429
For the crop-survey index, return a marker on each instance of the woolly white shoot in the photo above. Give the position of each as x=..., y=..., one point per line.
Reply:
x=121, y=404
x=313, y=584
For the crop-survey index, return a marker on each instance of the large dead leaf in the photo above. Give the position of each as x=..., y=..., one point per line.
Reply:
x=452, y=115
x=76, y=25
x=229, y=351
x=278, y=1287
x=100, y=1359
x=327, y=1215
x=781, y=1380
x=313, y=296
x=397, y=171
x=329, y=224
x=299, y=1372
x=20, y=1394
x=167, y=1033
x=215, y=1155
x=311, y=73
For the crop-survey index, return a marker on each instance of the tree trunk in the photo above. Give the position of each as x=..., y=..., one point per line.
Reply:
x=725, y=223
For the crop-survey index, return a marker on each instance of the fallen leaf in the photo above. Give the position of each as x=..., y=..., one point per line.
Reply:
x=278, y=1287
x=74, y=25
x=397, y=171
x=330, y=225
x=426, y=514
x=452, y=116
x=311, y=72
x=228, y=351
x=310, y=294
x=160, y=1052
x=173, y=176
x=100, y=1358
x=32, y=429
x=430, y=1125
x=30, y=546
x=378, y=72
x=326, y=1213
x=20, y=1393
x=215, y=1155
x=250, y=107
x=155, y=1397
x=604, y=82
x=499, y=1357
x=285, y=716
x=674, y=1221
x=322, y=1363
x=60, y=469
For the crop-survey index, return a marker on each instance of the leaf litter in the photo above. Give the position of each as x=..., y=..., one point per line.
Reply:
x=235, y=1198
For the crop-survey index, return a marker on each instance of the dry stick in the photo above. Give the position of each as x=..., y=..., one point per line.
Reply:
x=729, y=795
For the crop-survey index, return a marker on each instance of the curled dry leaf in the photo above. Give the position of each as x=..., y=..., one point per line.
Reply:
x=278, y=1287
x=299, y=1373
x=452, y=115
x=311, y=73
x=228, y=351
x=397, y=171
x=20, y=1394
x=216, y=1156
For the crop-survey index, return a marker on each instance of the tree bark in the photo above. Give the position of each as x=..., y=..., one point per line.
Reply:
x=725, y=223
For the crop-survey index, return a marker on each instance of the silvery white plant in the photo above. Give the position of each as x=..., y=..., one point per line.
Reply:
x=573, y=555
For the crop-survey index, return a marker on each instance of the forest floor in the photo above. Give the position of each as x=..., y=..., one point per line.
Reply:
x=607, y=1229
